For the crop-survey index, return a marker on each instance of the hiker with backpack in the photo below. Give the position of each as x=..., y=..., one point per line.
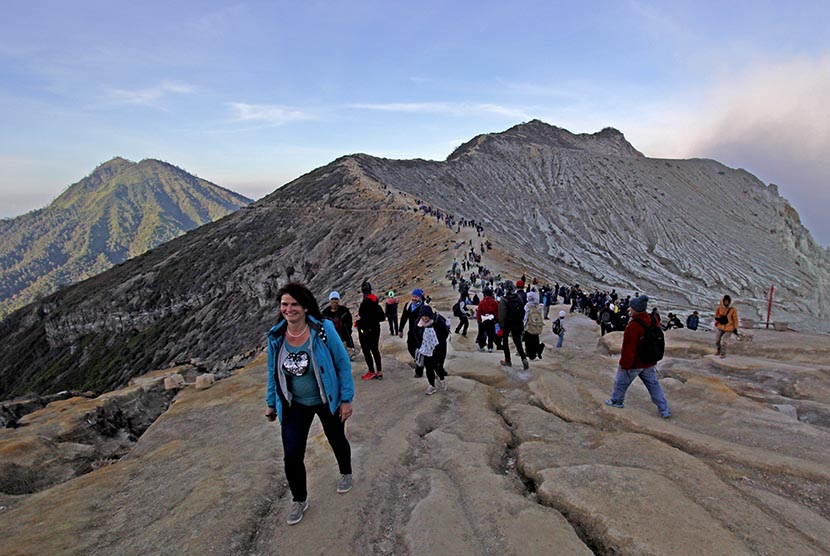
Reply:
x=432, y=332
x=370, y=318
x=726, y=322
x=558, y=329
x=487, y=313
x=534, y=323
x=460, y=310
x=409, y=315
x=511, y=321
x=309, y=374
x=643, y=346
x=341, y=316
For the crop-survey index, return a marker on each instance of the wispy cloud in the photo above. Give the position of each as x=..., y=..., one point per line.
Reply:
x=268, y=113
x=447, y=108
x=150, y=96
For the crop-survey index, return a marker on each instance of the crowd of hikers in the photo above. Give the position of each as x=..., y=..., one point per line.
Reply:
x=310, y=350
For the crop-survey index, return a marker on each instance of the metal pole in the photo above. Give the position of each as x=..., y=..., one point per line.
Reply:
x=769, y=305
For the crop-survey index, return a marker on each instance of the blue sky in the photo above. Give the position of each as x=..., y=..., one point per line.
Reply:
x=250, y=95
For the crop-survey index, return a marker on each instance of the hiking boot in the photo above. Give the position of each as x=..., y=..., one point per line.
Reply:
x=525, y=364
x=505, y=363
x=368, y=376
x=344, y=484
x=443, y=384
x=430, y=390
x=612, y=403
x=378, y=376
x=295, y=514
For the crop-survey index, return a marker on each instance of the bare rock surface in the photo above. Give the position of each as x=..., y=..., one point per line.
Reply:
x=505, y=462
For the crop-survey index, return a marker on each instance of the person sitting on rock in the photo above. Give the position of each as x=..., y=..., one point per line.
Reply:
x=672, y=322
x=692, y=321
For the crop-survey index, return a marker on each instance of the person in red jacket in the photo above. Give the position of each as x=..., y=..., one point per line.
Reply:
x=487, y=313
x=631, y=366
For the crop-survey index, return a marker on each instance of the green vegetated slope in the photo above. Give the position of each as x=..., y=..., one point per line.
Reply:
x=118, y=212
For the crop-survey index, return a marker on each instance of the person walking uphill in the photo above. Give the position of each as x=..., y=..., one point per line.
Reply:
x=410, y=315
x=391, y=309
x=309, y=374
x=726, y=322
x=511, y=318
x=487, y=312
x=370, y=317
x=635, y=361
x=433, y=332
x=342, y=319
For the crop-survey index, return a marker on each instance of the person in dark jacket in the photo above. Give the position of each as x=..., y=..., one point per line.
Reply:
x=631, y=366
x=487, y=314
x=309, y=374
x=410, y=314
x=370, y=318
x=391, y=309
x=511, y=319
x=432, y=333
x=341, y=317
x=693, y=321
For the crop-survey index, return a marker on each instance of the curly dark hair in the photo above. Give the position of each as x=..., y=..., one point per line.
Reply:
x=303, y=296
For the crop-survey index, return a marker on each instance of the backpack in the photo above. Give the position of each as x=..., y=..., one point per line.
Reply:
x=515, y=309
x=535, y=322
x=557, y=327
x=652, y=344
x=456, y=309
x=441, y=326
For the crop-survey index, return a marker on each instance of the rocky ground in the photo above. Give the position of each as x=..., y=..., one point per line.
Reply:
x=505, y=462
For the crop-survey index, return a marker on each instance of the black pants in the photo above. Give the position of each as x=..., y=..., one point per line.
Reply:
x=435, y=364
x=393, y=323
x=370, y=344
x=296, y=422
x=463, y=322
x=516, y=334
x=412, y=345
x=487, y=331
x=532, y=345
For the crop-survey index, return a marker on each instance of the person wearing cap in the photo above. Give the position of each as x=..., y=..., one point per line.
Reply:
x=391, y=310
x=693, y=321
x=431, y=333
x=631, y=365
x=370, y=318
x=558, y=328
x=341, y=316
x=410, y=314
x=487, y=313
x=511, y=317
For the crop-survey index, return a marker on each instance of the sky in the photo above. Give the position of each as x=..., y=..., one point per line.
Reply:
x=250, y=95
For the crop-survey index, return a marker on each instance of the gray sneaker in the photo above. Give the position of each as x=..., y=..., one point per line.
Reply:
x=295, y=514
x=525, y=364
x=443, y=384
x=345, y=483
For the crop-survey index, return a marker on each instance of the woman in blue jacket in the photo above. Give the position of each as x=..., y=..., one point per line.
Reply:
x=309, y=374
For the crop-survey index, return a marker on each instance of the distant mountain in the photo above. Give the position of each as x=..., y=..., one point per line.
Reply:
x=119, y=211
x=587, y=209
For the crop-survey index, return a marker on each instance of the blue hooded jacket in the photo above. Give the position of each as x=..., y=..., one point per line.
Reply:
x=331, y=365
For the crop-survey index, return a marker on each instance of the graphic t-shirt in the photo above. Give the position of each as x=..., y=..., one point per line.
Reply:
x=299, y=376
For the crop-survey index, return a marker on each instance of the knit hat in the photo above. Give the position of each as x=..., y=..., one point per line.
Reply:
x=509, y=287
x=520, y=284
x=562, y=314
x=334, y=295
x=366, y=287
x=426, y=311
x=488, y=291
x=391, y=293
x=638, y=304
x=533, y=298
x=418, y=292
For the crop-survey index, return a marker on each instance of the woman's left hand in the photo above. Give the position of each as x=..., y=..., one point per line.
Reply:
x=345, y=411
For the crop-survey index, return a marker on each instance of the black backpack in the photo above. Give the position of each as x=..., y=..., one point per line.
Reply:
x=441, y=326
x=515, y=309
x=557, y=327
x=652, y=344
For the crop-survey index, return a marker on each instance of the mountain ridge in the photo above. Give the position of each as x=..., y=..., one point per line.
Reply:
x=120, y=210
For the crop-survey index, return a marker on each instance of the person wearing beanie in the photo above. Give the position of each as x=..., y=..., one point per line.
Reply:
x=534, y=323
x=520, y=290
x=341, y=316
x=432, y=332
x=370, y=317
x=410, y=315
x=631, y=365
x=511, y=321
x=486, y=314
x=391, y=309
x=558, y=329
